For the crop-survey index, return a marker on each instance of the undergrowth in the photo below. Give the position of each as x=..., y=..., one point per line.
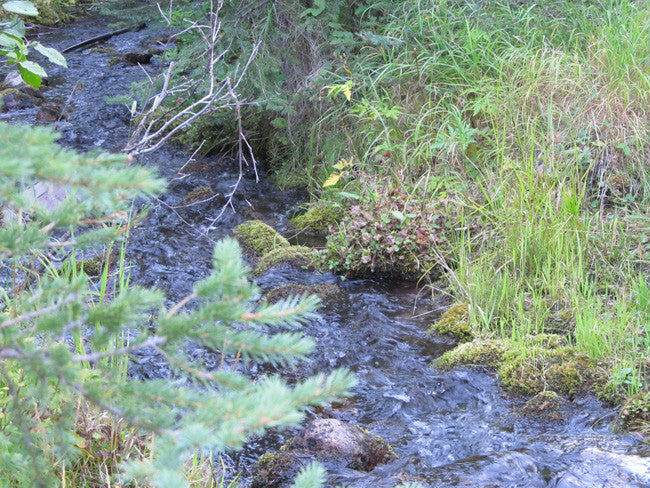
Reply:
x=503, y=143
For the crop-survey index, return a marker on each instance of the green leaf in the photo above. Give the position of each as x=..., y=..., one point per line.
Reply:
x=33, y=67
x=29, y=77
x=8, y=40
x=21, y=7
x=50, y=53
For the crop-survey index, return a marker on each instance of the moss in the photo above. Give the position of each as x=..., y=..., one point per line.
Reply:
x=92, y=266
x=294, y=255
x=319, y=217
x=273, y=469
x=455, y=322
x=104, y=49
x=546, y=404
x=635, y=414
x=257, y=237
x=547, y=341
x=197, y=195
x=284, y=291
x=480, y=352
x=565, y=377
x=531, y=370
x=48, y=15
x=377, y=450
x=561, y=322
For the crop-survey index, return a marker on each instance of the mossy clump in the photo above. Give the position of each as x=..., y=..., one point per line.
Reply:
x=283, y=292
x=531, y=370
x=547, y=341
x=197, y=195
x=480, y=352
x=259, y=238
x=635, y=414
x=103, y=49
x=455, y=322
x=92, y=266
x=546, y=404
x=319, y=217
x=274, y=469
x=295, y=255
x=376, y=451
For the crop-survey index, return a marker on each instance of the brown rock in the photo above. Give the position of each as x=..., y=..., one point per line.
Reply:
x=363, y=449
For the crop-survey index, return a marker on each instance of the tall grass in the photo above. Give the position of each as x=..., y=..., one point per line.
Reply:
x=534, y=118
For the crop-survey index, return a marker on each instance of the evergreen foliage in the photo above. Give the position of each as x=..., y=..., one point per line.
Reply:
x=43, y=377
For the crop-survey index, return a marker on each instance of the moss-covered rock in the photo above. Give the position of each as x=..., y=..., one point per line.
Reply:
x=326, y=440
x=282, y=292
x=336, y=440
x=480, y=352
x=259, y=238
x=531, y=370
x=275, y=469
x=197, y=195
x=319, y=217
x=455, y=322
x=547, y=341
x=294, y=255
x=546, y=404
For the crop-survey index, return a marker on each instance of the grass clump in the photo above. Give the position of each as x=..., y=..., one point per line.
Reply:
x=259, y=238
x=635, y=414
x=455, y=322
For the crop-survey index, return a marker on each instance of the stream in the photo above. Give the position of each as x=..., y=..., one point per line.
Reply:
x=449, y=429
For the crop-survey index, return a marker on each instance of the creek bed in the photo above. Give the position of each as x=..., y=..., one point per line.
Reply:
x=449, y=429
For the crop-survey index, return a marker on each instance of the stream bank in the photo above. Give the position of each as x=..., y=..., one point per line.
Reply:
x=448, y=429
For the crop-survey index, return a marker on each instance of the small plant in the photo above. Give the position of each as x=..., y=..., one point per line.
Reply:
x=15, y=48
x=390, y=232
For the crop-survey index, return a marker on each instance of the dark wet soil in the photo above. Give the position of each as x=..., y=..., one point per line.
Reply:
x=451, y=429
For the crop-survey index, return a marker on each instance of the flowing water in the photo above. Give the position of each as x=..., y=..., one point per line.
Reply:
x=449, y=429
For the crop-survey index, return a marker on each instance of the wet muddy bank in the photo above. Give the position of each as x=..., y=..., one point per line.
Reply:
x=448, y=429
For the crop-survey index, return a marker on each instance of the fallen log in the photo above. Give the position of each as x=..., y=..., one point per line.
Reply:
x=103, y=37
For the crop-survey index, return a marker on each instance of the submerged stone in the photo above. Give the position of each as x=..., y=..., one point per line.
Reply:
x=197, y=195
x=282, y=292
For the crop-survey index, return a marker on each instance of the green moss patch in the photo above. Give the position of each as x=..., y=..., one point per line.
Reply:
x=536, y=369
x=545, y=405
x=293, y=255
x=480, y=352
x=197, y=195
x=527, y=367
x=319, y=217
x=455, y=322
x=259, y=238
